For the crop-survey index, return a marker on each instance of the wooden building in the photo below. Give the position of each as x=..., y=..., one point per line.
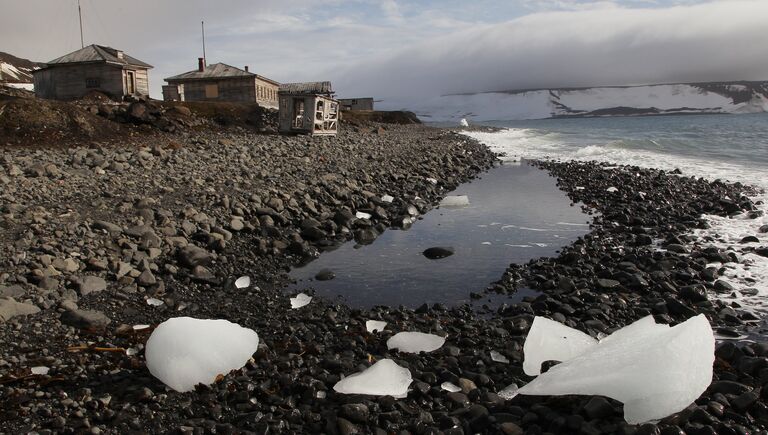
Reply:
x=308, y=108
x=221, y=82
x=93, y=68
x=356, y=103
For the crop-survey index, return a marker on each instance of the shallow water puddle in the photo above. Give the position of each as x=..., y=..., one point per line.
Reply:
x=515, y=213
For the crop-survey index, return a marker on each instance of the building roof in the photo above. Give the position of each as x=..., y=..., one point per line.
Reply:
x=306, y=88
x=98, y=53
x=215, y=71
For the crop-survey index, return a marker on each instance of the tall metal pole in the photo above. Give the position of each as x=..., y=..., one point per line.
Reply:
x=80, y=14
x=205, y=61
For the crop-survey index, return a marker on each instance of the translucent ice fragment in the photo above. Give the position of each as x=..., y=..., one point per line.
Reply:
x=362, y=215
x=612, y=189
x=183, y=352
x=451, y=388
x=243, y=282
x=387, y=198
x=415, y=342
x=375, y=325
x=464, y=122
x=140, y=327
x=40, y=370
x=509, y=392
x=549, y=340
x=455, y=201
x=653, y=369
x=432, y=180
x=497, y=357
x=385, y=378
x=154, y=302
x=300, y=300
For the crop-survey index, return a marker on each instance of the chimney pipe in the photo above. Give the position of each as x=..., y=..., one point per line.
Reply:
x=200, y=64
x=246, y=68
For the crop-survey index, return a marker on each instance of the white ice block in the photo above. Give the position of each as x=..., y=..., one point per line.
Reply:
x=653, y=369
x=549, y=340
x=243, y=282
x=375, y=325
x=415, y=342
x=385, y=378
x=183, y=352
x=300, y=300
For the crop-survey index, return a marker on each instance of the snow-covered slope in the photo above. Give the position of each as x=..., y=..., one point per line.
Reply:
x=15, y=71
x=700, y=98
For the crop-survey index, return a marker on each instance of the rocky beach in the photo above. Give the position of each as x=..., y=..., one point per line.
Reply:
x=101, y=236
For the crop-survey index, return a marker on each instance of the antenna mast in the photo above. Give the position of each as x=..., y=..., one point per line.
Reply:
x=202, y=25
x=80, y=14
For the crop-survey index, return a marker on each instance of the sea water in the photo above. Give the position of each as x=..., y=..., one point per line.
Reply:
x=727, y=147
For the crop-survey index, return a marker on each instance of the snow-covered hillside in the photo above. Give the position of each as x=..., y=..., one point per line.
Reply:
x=15, y=71
x=703, y=98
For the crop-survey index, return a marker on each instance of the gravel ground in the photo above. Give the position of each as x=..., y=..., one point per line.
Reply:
x=91, y=233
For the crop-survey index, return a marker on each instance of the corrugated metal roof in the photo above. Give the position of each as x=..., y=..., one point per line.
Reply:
x=98, y=53
x=215, y=71
x=306, y=88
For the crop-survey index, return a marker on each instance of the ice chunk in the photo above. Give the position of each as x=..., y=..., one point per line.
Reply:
x=432, y=180
x=131, y=351
x=415, y=342
x=550, y=340
x=140, y=327
x=497, y=357
x=154, y=302
x=243, y=282
x=653, y=369
x=183, y=352
x=509, y=393
x=612, y=189
x=385, y=378
x=362, y=215
x=464, y=122
x=451, y=388
x=40, y=370
x=455, y=201
x=300, y=300
x=375, y=325
x=387, y=198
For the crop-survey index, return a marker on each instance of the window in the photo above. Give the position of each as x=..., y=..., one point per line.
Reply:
x=212, y=91
x=92, y=83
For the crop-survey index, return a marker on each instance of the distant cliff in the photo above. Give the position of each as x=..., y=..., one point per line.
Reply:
x=667, y=99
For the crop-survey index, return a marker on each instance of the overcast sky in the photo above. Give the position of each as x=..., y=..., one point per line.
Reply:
x=413, y=49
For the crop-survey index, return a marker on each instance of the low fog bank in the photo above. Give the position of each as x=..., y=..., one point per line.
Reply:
x=720, y=41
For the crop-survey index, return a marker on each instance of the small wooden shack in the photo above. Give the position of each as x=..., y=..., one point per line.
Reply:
x=92, y=68
x=221, y=82
x=356, y=103
x=308, y=108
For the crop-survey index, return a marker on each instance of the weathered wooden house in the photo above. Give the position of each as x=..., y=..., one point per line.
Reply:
x=92, y=68
x=221, y=82
x=356, y=103
x=308, y=108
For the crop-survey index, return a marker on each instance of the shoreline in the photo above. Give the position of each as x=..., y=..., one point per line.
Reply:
x=306, y=351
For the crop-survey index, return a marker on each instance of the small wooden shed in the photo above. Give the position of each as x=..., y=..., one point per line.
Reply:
x=308, y=108
x=92, y=68
x=221, y=82
x=356, y=103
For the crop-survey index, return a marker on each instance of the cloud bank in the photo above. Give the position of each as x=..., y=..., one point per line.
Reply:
x=607, y=45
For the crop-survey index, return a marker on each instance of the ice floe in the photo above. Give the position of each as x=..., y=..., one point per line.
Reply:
x=375, y=325
x=655, y=370
x=300, y=300
x=243, y=282
x=183, y=352
x=455, y=201
x=385, y=378
x=415, y=342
